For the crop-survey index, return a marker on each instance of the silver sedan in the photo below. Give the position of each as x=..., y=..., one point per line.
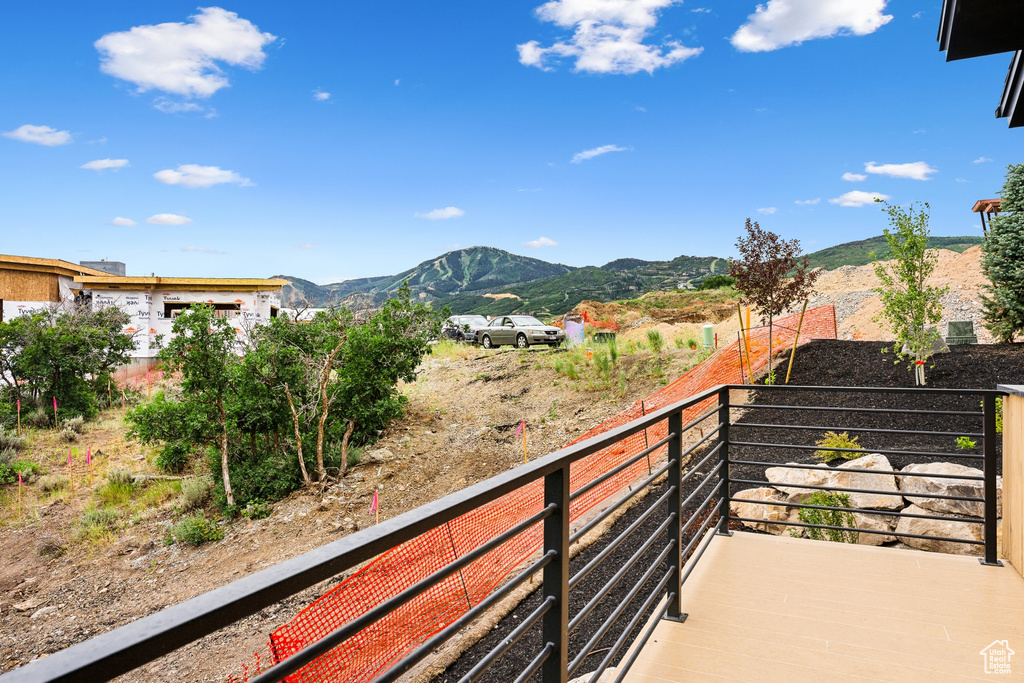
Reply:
x=520, y=331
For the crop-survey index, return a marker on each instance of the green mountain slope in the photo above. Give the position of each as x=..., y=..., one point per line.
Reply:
x=472, y=270
x=865, y=251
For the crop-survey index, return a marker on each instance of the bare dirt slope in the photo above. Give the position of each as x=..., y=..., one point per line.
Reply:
x=57, y=589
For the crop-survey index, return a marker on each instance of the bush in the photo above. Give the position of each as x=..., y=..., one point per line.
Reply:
x=11, y=441
x=828, y=518
x=717, y=282
x=256, y=510
x=96, y=524
x=10, y=469
x=52, y=482
x=965, y=443
x=120, y=477
x=655, y=341
x=68, y=434
x=194, y=493
x=40, y=418
x=833, y=440
x=173, y=457
x=194, y=529
x=252, y=479
x=75, y=424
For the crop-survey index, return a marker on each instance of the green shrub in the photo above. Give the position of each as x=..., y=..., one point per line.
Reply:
x=269, y=477
x=194, y=529
x=120, y=477
x=833, y=440
x=828, y=518
x=52, y=482
x=717, y=282
x=355, y=453
x=97, y=523
x=9, y=469
x=691, y=343
x=115, y=493
x=613, y=351
x=194, y=493
x=68, y=434
x=75, y=424
x=256, y=510
x=173, y=457
x=655, y=341
x=11, y=441
x=40, y=418
x=965, y=443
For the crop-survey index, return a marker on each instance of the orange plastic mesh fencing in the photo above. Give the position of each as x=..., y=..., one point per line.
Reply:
x=377, y=647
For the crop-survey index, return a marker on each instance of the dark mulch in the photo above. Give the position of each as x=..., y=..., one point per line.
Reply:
x=819, y=363
x=851, y=363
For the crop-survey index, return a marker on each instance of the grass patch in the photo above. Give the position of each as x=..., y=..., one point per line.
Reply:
x=453, y=350
x=194, y=493
x=98, y=524
x=194, y=529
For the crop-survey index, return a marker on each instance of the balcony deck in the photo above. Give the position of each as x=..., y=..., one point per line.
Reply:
x=773, y=608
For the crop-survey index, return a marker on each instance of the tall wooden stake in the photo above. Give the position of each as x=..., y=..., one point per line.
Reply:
x=19, y=417
x=122, y=405
x=56, y=424
x=792, y=354
x=71, y=472
x=745, y=342
x=525, y=458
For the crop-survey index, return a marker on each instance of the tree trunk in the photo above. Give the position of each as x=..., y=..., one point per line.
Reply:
x=344, y=445
x=325, y=378
x=224, y=453
x=298, y=434
x=770, y=321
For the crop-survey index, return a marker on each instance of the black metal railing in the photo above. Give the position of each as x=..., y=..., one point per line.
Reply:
x=690, y=506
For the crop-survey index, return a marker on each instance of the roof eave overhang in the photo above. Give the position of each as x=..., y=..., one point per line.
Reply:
x=1010, y=105
x=974, y=28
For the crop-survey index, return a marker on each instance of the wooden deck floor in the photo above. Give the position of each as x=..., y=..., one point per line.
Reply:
x=772, y=608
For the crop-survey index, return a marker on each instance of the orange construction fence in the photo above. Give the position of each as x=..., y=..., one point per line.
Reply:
x=379, y=646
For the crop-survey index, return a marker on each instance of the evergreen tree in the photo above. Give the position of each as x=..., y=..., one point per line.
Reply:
x=1003, y=261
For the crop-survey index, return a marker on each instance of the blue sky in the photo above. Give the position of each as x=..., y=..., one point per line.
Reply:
x=346, y=139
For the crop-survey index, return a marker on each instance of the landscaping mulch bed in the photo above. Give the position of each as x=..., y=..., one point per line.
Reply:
x=819, y=363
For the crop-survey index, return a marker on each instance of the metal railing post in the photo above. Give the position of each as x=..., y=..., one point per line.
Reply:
x=723, y=454
x=991, y=544
x=555, y=627
x=674, y=532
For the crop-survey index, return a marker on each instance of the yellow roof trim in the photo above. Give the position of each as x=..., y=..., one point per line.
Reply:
x=47, y=265
x=107, y=281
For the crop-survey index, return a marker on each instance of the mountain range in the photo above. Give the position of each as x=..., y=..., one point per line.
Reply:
x=491, y=281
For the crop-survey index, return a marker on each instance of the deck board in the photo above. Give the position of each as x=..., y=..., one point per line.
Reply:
x=774, y=608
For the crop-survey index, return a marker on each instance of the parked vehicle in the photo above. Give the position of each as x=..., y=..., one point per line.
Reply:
x=520, y=331
x=463, y=328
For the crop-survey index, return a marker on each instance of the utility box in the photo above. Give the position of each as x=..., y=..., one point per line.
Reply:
x=709, y=336
x=960, y=332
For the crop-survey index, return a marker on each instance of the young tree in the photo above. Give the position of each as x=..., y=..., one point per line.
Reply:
x=909, y=305
x=1003, y=261
x=770, y=274
x=204, y=351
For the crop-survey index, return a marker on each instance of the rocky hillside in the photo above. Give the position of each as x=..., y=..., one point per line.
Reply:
x=862, y=252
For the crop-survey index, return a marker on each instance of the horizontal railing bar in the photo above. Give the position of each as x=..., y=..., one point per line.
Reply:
x=854, y=450
x=640, y=644
x=582, y=531
x=902, y=411
x=612, y=582
x=508, y=641
x=714, y=494
x=896, y=473
x=621, y=466
x=432, y=643
x=714, y=472
x=345, y=631
x=860, y=531
x=697, y=420
x=537, y=662
x=697, y=555
x=619, y=609
x=614, y=650
x=118, y=651
x=919, y=391
x=837, y=489
x=701, y=441
x=882, y=513
x=589, y=567
x=696, y=468
x=855, y=429
x=697, y=534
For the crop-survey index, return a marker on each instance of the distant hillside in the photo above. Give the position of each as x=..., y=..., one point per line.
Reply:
x=865, y=251
x=472, y=270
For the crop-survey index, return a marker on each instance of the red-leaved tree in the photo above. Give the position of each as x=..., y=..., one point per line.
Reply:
x=770, y=274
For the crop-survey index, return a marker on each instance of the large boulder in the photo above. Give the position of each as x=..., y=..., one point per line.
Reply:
x=875, y=523
x=948, y=487
x=946, y=528
x=780, y=514
x=789, y=480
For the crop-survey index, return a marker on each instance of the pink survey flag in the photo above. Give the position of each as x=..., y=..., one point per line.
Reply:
x=69, y=456
x=19, y=405
x=520, y=428
x=20, y=483
x=375, y=505
x=88, y=455
x=55, y=403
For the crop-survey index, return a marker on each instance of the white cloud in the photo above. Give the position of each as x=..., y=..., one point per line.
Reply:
x=204, y=250
x=917, y=170
x=194, y=175
x=398, y=81
x=782, y=23
x=807, y=202
x=103, y=164
x=642, y=110
x=854, y=177
x=962, y=180
x=39, y=135
x=303, y=245
x=169, y=106
x=917, y=15
x=182, y=57
x=701, y=10
x=857, y=198
x=540, y=242
x=168, y=219
x=321, y=96
x=981, y=160
x=124, y=222
x=608, y=37
x=596, y=152
x=442, y=214
x=768, y=210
